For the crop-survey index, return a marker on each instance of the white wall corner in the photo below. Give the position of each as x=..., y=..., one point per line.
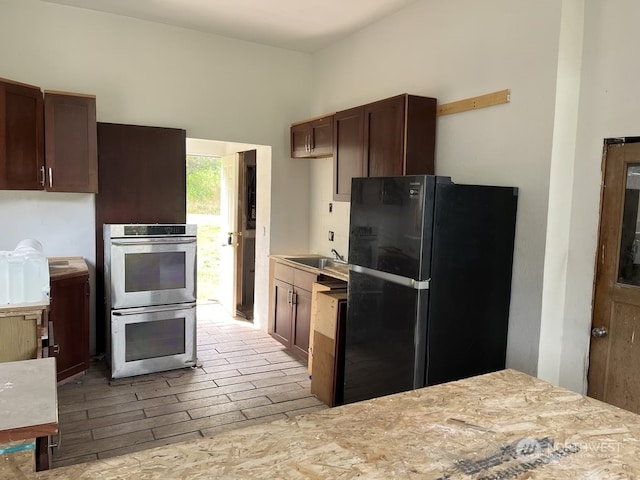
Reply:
x=556, y=330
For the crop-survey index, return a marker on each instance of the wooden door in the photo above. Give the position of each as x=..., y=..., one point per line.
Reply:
x=21, y=136
x=301, y=323
x=247, y=217
x=282, y=296
x=384, y=137
x=348, y=151
x=322, y=137
x=71, y=146
x=69, y=313
x=614, y=356
x=301, y=140
x=230, y=231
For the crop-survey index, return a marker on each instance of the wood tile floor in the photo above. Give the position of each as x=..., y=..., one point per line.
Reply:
x=246, y=378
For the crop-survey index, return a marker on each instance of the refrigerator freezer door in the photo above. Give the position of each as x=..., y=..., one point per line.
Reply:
x=473, y=235
x=390, y=224
x=385, y=338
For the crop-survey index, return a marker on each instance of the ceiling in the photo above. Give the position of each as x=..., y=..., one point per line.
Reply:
x=302, y=25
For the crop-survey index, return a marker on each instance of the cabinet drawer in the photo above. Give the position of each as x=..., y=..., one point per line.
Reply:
x=304, y=280
x=283, y=272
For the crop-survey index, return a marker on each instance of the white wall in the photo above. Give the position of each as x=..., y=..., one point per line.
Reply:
x=151, y=74
x=453, y=50
x=608, y=108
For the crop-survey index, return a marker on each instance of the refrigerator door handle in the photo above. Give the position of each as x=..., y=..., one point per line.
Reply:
x=390, y=277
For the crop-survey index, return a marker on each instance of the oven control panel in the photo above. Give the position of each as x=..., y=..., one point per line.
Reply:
x=150, y=230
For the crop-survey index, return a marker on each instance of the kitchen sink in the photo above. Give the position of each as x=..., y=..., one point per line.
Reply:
x=320, y=263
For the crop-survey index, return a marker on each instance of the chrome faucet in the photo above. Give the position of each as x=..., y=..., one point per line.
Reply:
x=337, y=255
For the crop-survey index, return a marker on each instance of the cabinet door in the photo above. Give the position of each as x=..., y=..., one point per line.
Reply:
x=301, y=323
x=69, y=313
x=384, y=137
x=71, y=144
x=282, y=329
x=301, y=140
x=322, y=137
x=21, y=137
x=348, y=151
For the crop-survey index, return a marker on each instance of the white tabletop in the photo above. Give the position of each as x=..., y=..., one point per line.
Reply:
x=28, y=399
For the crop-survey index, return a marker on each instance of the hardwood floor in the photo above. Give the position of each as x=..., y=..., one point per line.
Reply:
x=246, y=378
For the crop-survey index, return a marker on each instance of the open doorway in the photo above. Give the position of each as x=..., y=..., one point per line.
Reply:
x=222, y=199
x=203, y=209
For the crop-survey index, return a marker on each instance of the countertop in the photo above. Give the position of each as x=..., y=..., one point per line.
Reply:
x=339, y=272
x=28, y=399
x=66, y=267
x=503, y=425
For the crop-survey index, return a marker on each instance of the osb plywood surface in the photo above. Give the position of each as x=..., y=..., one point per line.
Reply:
x=504, y=425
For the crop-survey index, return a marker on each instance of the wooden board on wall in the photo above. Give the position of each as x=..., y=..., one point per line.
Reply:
x=142, y=179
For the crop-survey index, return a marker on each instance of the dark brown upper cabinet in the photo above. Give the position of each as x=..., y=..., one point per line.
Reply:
x=47, y=143
x=390, y=137
x=348, y=158
x=70, y=142
x=312, y=138
x=21, y=136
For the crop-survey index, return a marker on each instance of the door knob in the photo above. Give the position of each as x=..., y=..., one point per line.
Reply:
x=599, y=332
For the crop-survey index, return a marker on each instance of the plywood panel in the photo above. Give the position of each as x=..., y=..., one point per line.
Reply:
x=17, y=460
x=323, y=368
x=504, y=425
x=18, y=338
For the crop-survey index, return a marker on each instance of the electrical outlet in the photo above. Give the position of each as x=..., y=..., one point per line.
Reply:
x=330, y=236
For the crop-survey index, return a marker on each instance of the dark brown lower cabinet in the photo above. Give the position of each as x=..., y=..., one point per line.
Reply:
x=292, y=308
x=69, y=321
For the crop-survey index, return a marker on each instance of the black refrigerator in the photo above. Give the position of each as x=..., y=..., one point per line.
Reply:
x=429, y=282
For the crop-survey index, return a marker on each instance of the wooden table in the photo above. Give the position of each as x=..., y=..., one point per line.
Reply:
x=28, y=410
x=503, y=425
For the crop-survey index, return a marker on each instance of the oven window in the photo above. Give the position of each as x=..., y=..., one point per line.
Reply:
x=145, y=272
x=158, y=338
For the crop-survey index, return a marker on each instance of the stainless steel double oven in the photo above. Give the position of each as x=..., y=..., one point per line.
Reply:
x=150, y=297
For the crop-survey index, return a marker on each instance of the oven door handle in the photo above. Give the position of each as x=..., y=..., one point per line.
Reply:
x=158, y=308
x=154, y=241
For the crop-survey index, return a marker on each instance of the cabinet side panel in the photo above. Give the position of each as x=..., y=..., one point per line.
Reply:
x=420, y=136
